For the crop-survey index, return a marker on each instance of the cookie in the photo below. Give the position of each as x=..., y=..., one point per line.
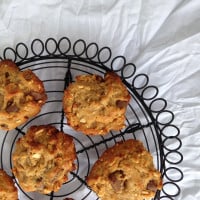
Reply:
x=7, y=188
x=42, y=159
x=22, y=95
x=125, y=171
x=96, y=105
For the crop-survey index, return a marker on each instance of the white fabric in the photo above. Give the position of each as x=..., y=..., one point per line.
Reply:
x=161, y=37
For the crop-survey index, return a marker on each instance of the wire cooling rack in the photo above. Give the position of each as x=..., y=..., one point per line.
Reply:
x=57, y=63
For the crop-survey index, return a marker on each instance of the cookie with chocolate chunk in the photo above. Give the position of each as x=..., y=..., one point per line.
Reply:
x=125, y=171
x=22, y=95
x=95, y=105
x=7, y=188
x=42, y=159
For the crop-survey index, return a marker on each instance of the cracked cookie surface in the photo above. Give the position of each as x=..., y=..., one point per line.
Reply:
x=7, y=188
x=96, y=105
x=125, y=171
x=22, y=95
x=42, y=159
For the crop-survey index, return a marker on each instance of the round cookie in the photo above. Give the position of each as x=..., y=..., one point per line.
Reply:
x=42, y=159
x=7, y=188
x=96, y=105
x=22, y=95
x=125, y=171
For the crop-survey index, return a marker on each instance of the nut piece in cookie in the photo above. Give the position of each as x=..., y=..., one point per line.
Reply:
x=7, y=188
x=96, y=105
x=22, y=95
x=42, y=159
x=125, y=171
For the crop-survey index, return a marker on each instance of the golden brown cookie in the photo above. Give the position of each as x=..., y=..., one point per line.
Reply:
x=22, y=95
x=96, y=105
x=125, y=171
x=42, y=159
x=7, y=188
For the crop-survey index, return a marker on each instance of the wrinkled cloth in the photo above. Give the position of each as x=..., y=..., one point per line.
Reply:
x=162, y=38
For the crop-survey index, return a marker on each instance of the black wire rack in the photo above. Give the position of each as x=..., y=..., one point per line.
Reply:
x=57, y=63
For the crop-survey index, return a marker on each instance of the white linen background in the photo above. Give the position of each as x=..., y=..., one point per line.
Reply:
x=161, y=37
